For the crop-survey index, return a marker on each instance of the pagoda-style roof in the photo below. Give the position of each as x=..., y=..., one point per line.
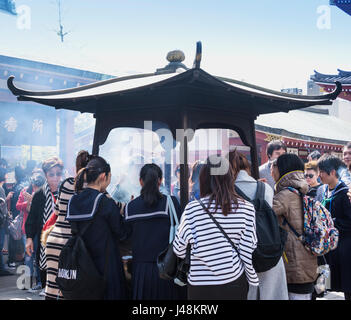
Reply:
x=344, y=77
x=344, y=5
x=189, y=99
x=194, y=86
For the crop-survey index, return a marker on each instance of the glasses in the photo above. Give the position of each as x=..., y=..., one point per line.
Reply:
x=309, y=176
x=57, y=174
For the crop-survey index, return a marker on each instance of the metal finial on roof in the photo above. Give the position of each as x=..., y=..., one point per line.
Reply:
x=198, y=55
x=175, y=59
x=175, y=56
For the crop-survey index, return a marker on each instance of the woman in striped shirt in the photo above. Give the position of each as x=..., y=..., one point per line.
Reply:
x=217, y=270
x=61, y=231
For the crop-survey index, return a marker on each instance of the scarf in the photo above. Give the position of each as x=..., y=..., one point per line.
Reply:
x=48, y=209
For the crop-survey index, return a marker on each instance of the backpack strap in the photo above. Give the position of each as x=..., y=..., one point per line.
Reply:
x=285, y=221
x=76, y=230
x=260, y=191
x=299, y=236
x=80, y=232
x=241, y=193
x=259, y=196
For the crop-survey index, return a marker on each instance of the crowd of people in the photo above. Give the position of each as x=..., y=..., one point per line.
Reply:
x=54, y=206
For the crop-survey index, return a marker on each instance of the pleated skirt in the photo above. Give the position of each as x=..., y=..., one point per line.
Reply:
x=147, y=285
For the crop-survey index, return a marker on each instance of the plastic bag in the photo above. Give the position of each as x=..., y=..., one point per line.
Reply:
x=324, y=272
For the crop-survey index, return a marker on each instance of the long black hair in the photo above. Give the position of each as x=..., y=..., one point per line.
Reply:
x=289, y=162
x=91, y=172
x=150, y=174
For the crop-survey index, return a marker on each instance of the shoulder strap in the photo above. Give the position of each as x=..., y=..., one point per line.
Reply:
x=298, y=192
x=219, y=226
x=173, y=210
x=285, y=221
x=172, y=217
x=299, y=236
x=241, y=193
x=260, y=191
x=74, y=227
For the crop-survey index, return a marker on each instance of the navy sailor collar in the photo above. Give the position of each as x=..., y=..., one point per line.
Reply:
x=84, y=205
x=136, y=209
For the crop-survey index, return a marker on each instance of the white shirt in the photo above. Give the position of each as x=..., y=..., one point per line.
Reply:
x=213, y=260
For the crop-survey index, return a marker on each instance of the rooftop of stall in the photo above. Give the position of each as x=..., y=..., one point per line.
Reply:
x=179, y=97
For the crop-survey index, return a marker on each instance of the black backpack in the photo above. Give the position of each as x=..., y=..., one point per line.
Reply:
x=271, y=237
x=78, y=277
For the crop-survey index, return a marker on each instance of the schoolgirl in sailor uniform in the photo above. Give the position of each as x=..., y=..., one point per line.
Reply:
x=107, y=228
x=147, y=215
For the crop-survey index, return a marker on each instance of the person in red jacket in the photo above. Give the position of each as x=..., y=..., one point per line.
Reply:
x=23, y=205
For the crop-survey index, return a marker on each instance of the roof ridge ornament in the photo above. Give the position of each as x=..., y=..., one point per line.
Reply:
x=175, y=58
x=198, y=55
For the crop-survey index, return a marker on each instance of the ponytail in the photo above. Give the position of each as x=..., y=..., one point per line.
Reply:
x=79, y=180
x=91, y=171
x=82, y=159
x=150, y=174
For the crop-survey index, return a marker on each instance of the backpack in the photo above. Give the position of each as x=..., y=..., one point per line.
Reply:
x=78, y=277
x=15, y=227
x=3, y=211
x=319, y=234
x=271, y=237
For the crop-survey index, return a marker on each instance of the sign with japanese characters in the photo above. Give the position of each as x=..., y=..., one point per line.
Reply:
x=24, y=124
x=292, y=150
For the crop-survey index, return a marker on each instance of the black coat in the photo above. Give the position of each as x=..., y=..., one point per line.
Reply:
x=34, y=222
x=339, y=259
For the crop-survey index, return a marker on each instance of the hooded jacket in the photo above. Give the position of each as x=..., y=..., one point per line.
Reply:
x=301, y=265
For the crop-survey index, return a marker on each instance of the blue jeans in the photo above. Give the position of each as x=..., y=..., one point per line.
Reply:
x=2, y=242
x=30, y=260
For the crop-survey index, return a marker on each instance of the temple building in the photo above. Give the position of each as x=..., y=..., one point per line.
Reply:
x=327, y=82
x=31, y=131
x=344, y=5
x=323, y=128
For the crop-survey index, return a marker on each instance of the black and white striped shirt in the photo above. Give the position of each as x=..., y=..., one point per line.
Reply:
x=213, y=260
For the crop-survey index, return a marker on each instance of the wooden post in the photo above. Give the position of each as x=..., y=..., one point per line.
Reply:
x=253, y=153
x=96, y=146
x=168, y=173
x=184, y=168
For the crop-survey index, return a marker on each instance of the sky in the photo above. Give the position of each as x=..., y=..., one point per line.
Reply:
x=272, y=43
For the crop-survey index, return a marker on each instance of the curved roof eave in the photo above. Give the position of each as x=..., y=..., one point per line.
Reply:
x=137, y=83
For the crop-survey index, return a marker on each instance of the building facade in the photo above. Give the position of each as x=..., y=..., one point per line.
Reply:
x=32, y=131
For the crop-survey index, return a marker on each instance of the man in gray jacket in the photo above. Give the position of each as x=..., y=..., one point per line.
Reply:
x=274, y=149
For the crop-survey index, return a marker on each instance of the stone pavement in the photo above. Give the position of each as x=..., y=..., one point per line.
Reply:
x=9, y=291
